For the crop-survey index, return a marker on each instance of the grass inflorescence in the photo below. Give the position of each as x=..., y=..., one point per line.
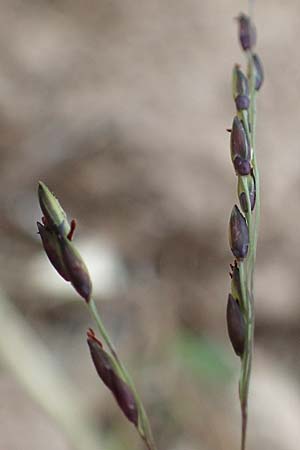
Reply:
x=57, y=238
x=244, y=219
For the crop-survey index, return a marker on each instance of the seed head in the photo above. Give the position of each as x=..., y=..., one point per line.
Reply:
x=56, y=234
x=235, y=325
x=239, y=144
x=238, y=234
x=108, y=373
x=247, y=32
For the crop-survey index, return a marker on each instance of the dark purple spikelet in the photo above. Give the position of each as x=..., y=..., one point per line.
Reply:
x=247, y=32
x=259, y=71
x=52, y=248
x=108, y=374
x=239, y=144
x=76, y=268
x=242, y=166
x=242, y=102
x=56, y=234
x=235, y=325
x=238, y=234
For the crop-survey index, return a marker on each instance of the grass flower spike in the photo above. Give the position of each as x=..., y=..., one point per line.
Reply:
x=243, y=225
x=247, y=32
x=56, y=234
x=236, y=325
x=109, y=373
x=238, y=234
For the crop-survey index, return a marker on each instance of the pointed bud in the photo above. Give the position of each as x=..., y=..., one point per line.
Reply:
x=239, y=143
x=247, y=32
x=240, y=89
x=108, y=373
x=238, y=234
x=259, y=71
x=235, y=325
x=76, y=269
x=240, y=148
x=55, y=216
x=52, y=248
x=242, y=194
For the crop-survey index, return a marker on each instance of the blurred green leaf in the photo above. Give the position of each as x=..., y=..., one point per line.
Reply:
x=203, y=357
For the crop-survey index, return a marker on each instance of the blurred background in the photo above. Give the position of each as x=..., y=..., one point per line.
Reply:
x=121, y=107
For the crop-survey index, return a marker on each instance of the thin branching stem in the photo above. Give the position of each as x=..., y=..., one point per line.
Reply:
x=56, y=234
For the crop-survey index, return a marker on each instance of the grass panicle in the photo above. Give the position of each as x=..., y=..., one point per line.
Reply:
x=244, y=224
x=56, y=234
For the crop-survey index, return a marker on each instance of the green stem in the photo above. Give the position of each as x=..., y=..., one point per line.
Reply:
x=96, y=316
x=247, y=266
x=252, y=116
x=257, y=185
x=246, y=369
x=244, y=287
x=248, y=214
x=243, y=115
x=144, y=428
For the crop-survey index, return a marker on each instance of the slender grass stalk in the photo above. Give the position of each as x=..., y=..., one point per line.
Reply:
x=56, y=234
x=244, y=228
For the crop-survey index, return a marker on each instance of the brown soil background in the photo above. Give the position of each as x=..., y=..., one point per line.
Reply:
x=121, y=107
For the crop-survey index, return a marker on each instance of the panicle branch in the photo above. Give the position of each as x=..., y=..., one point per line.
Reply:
x=56, y=234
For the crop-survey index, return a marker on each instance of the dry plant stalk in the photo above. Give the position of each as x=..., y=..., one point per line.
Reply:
x=244, y=221
x=57, y=234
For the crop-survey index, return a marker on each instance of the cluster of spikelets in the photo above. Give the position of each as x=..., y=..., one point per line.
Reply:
x=57, y=234
x=244, y=218
x=242, y=159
